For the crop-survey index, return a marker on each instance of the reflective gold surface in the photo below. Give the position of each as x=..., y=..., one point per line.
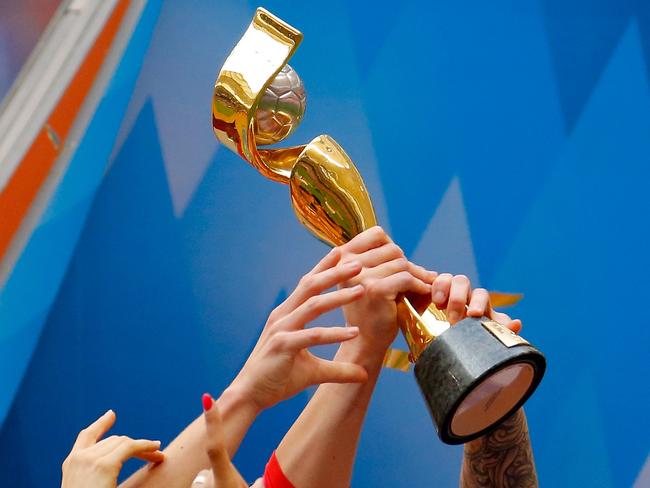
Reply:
x=255, y=61
x=397, y=359
x=328, y=194
x=500, y=299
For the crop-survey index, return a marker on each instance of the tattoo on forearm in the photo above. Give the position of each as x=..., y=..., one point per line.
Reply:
x=502, y=459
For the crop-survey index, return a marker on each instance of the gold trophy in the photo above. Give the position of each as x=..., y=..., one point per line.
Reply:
x=472, y=375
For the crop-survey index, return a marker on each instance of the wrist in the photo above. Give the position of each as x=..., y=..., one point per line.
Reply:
x=238, y=412
x=363, y=352
x=237, y=397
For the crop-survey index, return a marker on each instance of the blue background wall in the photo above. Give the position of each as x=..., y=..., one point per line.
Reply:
x=508, y=140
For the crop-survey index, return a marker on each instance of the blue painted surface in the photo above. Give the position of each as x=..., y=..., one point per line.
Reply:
x=26, y=298
x=527, y=171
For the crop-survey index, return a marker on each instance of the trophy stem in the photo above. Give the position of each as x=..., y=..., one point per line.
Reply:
x=419, y=329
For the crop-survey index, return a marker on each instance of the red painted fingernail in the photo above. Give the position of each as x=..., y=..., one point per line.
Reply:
x=207, y=401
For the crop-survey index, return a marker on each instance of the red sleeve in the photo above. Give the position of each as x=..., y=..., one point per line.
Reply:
x=273, y=475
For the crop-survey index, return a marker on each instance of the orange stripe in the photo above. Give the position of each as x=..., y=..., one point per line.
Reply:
x=23, y=186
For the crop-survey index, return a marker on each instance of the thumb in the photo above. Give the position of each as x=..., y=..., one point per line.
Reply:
x=224, y=472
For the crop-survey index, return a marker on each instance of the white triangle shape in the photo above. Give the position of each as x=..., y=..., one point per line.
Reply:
x=643, y=480
x=446, y=245
x=180, y=87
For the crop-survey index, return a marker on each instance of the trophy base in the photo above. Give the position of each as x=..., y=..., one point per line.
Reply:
x=474, y=375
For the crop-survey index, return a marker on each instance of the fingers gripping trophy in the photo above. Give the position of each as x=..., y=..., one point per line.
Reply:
x=472, y=375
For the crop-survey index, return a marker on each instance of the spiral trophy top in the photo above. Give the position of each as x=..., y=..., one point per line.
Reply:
x=258, y=100
x=249, y=69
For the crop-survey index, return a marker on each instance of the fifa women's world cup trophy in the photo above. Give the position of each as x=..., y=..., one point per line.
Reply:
x=472, y=375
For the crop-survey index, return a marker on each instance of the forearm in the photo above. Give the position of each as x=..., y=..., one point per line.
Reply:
x=503, y=458
x=320, y=448
x=186, y=455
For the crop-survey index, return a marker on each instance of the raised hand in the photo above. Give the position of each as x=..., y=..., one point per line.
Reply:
x=319, y=449
x=97, y=463
x=386, y=274
x=454, y=294
x=281, y=365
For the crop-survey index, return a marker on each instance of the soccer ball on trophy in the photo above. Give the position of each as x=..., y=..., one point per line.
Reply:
x=281, y=108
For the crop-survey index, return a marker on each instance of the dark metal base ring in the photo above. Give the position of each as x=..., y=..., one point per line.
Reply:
x=475, y=375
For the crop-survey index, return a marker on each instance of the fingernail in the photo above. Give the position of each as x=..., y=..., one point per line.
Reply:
x=357, y=289
x=354, y=330
x=207, y=401
x=353, y=264
x=439, y=297
x=452, y=316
